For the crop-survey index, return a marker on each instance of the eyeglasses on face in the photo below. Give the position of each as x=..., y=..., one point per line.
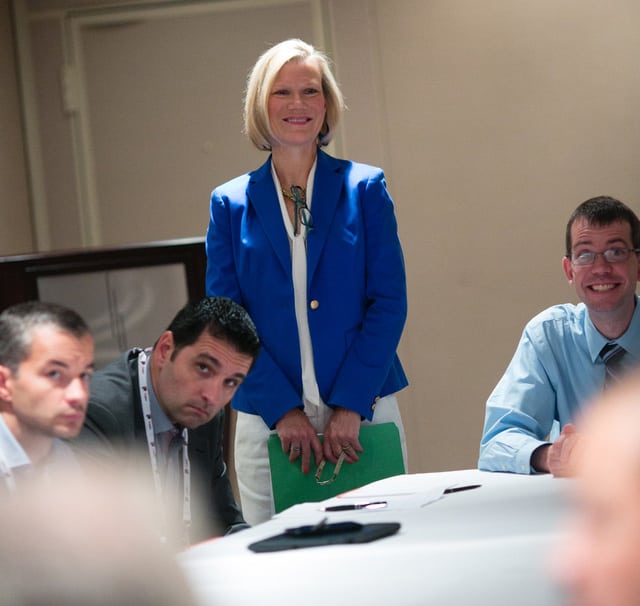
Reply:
x=615, y=254
x=301, y=212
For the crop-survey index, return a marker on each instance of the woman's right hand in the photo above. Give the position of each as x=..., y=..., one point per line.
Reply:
x=299, y=438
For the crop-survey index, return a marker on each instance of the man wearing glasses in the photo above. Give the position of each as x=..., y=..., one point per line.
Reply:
x=569, y=352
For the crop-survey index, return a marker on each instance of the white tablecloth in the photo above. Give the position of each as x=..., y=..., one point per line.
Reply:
x=489, y=545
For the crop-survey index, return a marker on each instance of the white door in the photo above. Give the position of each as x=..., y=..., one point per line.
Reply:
x=156, y=94
x=124, y=308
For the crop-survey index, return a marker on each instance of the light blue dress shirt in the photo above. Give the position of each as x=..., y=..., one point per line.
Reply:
x=555, y=370
x=10, y=449
x=17, y=459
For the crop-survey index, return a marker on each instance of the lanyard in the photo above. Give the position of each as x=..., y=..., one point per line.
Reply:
x=143, y=357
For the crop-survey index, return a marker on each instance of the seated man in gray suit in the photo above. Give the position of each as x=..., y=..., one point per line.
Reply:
x=163, y=407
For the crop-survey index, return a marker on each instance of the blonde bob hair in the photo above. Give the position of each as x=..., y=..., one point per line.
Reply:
x=260, y=83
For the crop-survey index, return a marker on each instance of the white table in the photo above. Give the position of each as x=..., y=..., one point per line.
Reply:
x=484, y=546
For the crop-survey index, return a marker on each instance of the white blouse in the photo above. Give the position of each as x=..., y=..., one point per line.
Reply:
x=298, y=244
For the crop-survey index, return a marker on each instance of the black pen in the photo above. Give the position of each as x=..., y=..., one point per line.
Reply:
x=461, y=488
x=354, y=506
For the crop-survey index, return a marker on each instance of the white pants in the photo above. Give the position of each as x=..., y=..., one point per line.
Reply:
x=252, y=458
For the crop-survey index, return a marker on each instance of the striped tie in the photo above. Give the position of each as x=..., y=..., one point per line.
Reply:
x=612, y=355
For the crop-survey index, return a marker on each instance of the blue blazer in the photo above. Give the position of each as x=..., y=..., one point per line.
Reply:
x=356, y=286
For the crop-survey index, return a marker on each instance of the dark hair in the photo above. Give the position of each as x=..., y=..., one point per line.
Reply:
x=18, y=321
x=222, y=318
x=601, y=211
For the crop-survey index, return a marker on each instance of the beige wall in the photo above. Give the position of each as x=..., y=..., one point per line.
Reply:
x=493, y=120
x=15, y=214
x=502, y=116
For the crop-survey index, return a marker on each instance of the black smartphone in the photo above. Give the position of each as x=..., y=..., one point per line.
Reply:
x=325, y=534
x=322, y=528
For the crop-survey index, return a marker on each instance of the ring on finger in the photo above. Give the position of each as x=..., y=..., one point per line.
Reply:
x=295, y=449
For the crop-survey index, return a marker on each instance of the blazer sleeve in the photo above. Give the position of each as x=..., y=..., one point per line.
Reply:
x=221, y=280
x=372, y=351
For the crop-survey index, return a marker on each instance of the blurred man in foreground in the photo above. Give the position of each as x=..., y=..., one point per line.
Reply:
x=89, y=542
x=599, y=560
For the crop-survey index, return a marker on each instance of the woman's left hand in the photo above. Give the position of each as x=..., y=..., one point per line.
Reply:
x=341, y=435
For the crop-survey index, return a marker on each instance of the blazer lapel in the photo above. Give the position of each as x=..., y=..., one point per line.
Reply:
x=326, y=195
x=262, y=196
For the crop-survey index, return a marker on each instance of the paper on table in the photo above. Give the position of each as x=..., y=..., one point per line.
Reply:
x=405, y=491
x=395, y=492
x=397, y=485
x=394, y=500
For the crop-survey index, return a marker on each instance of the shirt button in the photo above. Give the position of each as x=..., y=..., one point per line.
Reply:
x=314, y=304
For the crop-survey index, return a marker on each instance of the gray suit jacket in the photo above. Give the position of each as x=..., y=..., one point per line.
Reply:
x=114, y=429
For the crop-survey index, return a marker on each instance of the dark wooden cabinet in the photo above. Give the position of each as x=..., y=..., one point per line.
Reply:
x=19, y=274
x=25, y=277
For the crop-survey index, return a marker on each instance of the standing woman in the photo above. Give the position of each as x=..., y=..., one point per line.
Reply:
x=308, y=244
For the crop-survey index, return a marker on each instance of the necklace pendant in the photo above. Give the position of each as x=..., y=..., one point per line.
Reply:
x=290, y=195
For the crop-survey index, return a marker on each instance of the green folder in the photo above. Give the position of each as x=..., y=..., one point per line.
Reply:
x=382, y=458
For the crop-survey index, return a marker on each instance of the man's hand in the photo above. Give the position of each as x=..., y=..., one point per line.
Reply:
x=559, y=458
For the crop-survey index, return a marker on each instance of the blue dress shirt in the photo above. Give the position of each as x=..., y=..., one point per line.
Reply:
x=10, y=449
x=161, y=422
x=18, y=461
x=554, y=371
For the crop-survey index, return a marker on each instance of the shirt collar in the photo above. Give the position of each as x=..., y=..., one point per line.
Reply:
x=630, y=340
x=13, y=453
